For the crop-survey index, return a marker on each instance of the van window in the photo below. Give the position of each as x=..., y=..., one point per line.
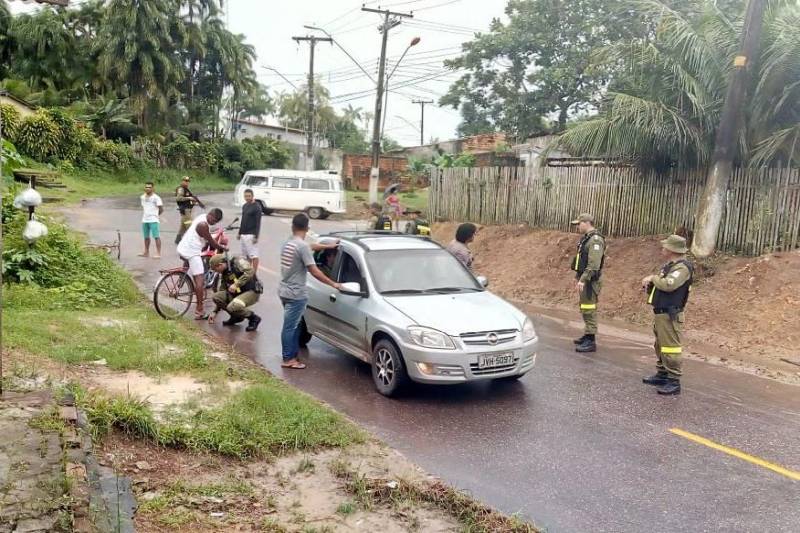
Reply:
x=256, y=181
x=316, y=184
x=285, y=183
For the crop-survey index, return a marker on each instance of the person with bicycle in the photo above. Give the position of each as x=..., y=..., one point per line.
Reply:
x=190, y=249
x=186, y=202
x=239, y=290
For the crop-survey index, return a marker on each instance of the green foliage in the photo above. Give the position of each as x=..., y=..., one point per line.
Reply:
x=265, y=418
x=450, y=160
x=253, y=153
x=10, y=118
x=67, y=148
x=11, y=159
x=73, y=276
x=664, y=105
x=537, y=64
x=114, y=155
x=39, y=136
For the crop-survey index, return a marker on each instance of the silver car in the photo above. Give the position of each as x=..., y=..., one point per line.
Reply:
x=412, y=311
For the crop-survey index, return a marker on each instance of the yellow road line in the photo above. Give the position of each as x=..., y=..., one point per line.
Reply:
x=791, y=474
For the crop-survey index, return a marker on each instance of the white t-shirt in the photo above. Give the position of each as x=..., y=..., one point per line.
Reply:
x=150, y=205
x=192, y=243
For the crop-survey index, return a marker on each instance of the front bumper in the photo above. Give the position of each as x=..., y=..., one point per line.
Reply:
x=425, y=365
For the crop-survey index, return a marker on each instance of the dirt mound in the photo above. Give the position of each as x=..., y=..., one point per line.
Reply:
x=744, y=305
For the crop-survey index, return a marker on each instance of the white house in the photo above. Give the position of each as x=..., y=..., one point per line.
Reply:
x=295, y=138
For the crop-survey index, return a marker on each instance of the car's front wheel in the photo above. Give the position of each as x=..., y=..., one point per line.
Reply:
x=388, y=370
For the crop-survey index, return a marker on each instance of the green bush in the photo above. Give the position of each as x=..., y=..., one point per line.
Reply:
x=11, y=120
x=68, y=148
x=85, y=143
x=72, y=276
x=114, y=155
x=38, y=136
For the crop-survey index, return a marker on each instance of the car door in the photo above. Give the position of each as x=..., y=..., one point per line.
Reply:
x=284, y=191
x=347, y=312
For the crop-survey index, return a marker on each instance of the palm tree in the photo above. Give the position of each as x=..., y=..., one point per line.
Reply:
x=353, y=114
x=107, y=111
x=665, y=107
x=137, y=50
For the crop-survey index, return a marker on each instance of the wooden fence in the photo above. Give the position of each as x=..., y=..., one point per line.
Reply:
x=762, y=209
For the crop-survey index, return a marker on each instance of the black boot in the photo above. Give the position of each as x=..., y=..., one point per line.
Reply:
x=253, y=322
x=232, y=321
x=579, y=340
x=588, y=345
x=672, y=386
x=658, y=379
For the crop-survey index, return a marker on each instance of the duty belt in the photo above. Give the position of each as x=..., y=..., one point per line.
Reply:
x=671, y=311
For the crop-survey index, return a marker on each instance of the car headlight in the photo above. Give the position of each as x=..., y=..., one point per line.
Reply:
x=430, y=338
x=528, y=333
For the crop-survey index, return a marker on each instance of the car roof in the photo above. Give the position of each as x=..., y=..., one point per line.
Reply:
x=378, y=240
x=320, y=174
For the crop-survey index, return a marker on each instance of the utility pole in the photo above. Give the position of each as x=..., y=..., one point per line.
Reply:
x=422, y=118
x=388, y=24
x=709, y=213
x=312, y=42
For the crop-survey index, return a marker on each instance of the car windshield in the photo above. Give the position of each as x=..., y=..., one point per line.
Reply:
x=419, y=271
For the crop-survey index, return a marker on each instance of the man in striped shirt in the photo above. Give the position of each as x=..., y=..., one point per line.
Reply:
x=296, y=260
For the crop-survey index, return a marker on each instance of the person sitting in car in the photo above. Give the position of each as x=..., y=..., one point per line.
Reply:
x=326, y=259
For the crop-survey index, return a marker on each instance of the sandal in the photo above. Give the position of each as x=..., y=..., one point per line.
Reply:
x=297, y=365
x=203, y=316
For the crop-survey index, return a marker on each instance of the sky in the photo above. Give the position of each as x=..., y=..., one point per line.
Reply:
x=441, y=25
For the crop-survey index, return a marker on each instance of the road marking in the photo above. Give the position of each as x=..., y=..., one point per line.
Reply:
x=791, y=474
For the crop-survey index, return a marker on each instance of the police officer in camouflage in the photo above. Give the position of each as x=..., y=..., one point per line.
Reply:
x=668, y=291
x=239, y=289
x=588, y=266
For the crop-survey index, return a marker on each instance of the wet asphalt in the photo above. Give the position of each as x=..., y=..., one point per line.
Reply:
x=579, y=444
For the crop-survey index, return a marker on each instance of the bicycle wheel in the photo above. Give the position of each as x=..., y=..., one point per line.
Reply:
x=173, y=295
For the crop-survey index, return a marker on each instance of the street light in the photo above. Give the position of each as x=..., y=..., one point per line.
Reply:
x=414, y=42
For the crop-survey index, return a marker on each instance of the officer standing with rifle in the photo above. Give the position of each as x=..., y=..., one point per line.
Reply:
x=588, y=266
x=668, y=291
x=185, y=200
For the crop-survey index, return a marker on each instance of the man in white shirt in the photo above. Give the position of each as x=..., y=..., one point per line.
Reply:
x=197, y=236
x=152, y=208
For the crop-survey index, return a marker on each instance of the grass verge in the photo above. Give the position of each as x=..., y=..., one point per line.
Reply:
x=412, y=200
x=474, y=516
x=101, y=183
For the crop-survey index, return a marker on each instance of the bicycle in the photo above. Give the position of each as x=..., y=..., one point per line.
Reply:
x=109, y=248
x=174, y=292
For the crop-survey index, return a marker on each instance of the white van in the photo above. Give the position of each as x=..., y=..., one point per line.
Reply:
x=319, y=193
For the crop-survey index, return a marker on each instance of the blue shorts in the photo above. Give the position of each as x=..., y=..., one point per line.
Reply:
x=151, y=229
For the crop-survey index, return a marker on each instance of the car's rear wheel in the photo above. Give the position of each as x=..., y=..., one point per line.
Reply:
x=315, y=213
x=305, y=335
x=388, y=370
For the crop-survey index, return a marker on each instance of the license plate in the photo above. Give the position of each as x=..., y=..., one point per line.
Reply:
x=495, y=360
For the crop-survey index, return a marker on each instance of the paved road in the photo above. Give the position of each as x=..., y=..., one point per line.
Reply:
x=580, y=444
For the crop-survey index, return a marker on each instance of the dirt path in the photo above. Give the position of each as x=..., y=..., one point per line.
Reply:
x=742, y=313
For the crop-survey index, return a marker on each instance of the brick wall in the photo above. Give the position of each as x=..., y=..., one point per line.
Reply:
x=483, y=143
x=356, y=168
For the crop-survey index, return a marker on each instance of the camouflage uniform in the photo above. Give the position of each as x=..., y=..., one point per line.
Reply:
x=241, y=275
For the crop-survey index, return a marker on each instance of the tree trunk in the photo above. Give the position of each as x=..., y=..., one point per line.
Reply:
x=712, y=203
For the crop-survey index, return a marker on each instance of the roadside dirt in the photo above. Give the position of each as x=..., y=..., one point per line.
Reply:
x=743, y=311
x=186, y=491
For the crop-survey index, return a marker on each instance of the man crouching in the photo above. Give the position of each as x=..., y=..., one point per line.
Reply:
x=239, y=290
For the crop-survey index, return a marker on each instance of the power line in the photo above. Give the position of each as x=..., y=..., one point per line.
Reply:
x=438, y=5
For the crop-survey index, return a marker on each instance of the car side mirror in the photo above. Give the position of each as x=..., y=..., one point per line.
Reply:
x=483, y=280
x=352, y=289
